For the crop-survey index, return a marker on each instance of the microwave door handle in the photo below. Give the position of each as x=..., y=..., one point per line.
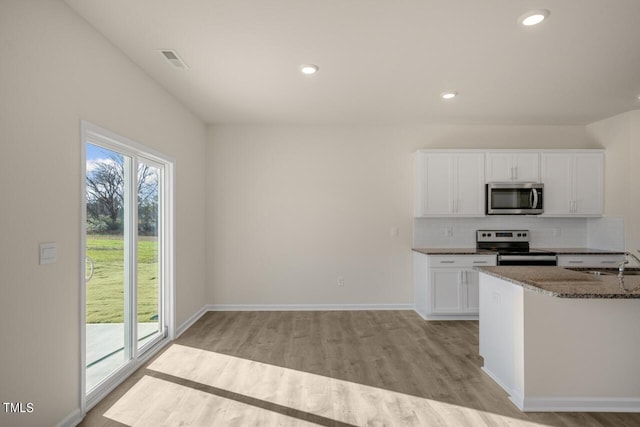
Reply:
x=534, y=196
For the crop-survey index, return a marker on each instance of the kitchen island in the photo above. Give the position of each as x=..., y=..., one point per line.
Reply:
x=561, y=340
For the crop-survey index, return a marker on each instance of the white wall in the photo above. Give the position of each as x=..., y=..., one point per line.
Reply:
x=56, y=70
x=620, y=136
x=291, y=208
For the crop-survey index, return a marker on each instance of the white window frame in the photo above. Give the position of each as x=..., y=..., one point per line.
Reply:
x=94, y=134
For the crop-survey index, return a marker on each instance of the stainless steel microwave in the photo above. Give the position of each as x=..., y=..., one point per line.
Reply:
x=522, y=198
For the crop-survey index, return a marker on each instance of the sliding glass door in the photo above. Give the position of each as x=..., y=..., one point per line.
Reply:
x=149, y=321
x=126, y=240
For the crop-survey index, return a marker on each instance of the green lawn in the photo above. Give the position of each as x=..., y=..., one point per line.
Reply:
x=105, y=291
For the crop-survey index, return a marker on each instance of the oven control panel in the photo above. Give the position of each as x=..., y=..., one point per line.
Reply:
x=502, y=235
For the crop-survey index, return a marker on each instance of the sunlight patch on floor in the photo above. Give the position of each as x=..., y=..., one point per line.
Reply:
x=154, y=402
x=270, y=389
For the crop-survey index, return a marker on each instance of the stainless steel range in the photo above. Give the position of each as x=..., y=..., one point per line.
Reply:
x=513, y=248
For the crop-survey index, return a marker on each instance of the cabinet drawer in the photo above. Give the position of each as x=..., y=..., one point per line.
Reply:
x=436, y=261
x=589, y=260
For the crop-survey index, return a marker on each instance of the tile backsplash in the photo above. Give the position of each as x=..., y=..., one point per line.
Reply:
x=597, y=233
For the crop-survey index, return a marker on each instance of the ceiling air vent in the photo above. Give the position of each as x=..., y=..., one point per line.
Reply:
x=173, y=58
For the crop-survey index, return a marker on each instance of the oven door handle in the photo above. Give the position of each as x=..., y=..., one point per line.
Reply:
x=526, y=258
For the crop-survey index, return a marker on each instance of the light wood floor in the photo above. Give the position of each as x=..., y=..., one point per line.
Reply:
x=378, y=368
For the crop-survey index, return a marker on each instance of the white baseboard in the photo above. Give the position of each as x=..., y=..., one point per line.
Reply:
x=580, y=404
x=71, y=420
x=191, y=320
x=306, y=307
x=500, y=383
x=451, y=317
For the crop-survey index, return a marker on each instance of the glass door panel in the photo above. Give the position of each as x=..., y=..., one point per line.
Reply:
x=149, y=268
x=108, y=212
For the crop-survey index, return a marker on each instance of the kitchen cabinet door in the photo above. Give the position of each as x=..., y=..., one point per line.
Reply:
x=526, y=167
x=433, y=190
x=445, y=290
x=498, y=167
x=512, y=166
x=588, y=184
x=469, y=191
x=448, y=183
x=471, y=291
x=557, y=177
x=573, y=183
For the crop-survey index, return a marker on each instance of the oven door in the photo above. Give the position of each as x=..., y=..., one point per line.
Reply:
x=514, y=199
x=527, y=260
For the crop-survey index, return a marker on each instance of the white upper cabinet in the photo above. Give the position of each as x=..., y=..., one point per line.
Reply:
x=448, y=183
x=512, y=166
x=573, y=182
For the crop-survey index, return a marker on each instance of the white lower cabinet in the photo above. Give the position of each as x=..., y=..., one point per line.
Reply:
x=446, y=287
x=590, y=261
x=453, y=291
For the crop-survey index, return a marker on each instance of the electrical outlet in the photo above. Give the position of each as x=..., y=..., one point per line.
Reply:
x=448, y=231
x=556, y=232
x=340, y=281
x=394, y=231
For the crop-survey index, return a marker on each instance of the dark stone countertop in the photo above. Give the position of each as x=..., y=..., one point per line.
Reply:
x=564, y=283
x=474, y=251
x=453, y=251
x=582, y=251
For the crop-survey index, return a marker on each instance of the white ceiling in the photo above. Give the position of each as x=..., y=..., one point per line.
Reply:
x=384, y=61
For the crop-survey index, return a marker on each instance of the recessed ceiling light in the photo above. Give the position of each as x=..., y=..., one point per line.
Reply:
x=533, y=17
x=309, y=69
x=449, y=95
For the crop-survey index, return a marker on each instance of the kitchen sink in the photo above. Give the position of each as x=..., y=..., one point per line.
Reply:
x=607, y=271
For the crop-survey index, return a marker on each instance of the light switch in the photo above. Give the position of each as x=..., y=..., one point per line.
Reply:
x=48, y=253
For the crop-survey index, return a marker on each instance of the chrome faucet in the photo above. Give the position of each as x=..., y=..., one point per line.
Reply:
x=625, y=261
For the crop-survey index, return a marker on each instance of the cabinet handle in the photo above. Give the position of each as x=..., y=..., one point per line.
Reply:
x=447, y=262
x=608, y=262
x=479, y=262
x=576, y=262
x=515, y=173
